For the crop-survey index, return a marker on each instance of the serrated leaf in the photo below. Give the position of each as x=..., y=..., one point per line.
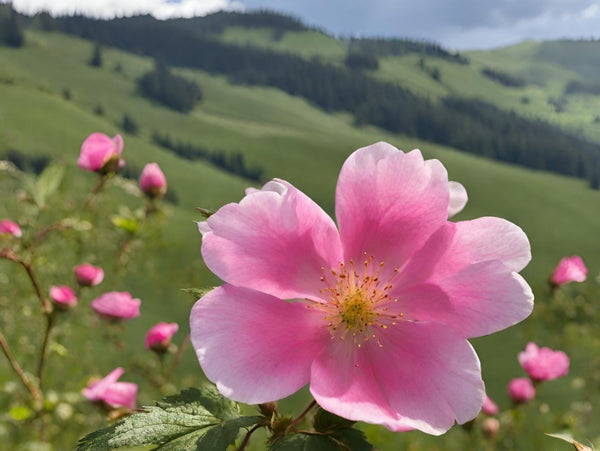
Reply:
x=192, y=420
x=347, y=439
x=325, y=421
x=130, y=225
x=569, y=439
x=47, y=183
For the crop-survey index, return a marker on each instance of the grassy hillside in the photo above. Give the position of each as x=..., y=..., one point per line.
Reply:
x=293, y=140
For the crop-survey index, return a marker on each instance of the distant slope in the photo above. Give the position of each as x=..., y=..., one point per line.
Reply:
x=457, y=120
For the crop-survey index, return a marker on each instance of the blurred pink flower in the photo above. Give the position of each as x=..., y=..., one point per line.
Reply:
x=88, y=275
x=153, y=181
x=8, y=227
x=521, y=390
x=375, y=316
x=490, y=427
x=101, y=153
x=63, y=296
x=489, y=406
x=570, y=269
x=159, y=337
x=114, y=394
x=543, y=364
x=117, y=305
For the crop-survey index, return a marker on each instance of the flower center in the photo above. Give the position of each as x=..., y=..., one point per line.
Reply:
x=357, y=303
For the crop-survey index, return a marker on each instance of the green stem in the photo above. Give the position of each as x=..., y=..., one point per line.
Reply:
x=50, y=321
x=247, y=437
x=177, y=358
x=302, y=415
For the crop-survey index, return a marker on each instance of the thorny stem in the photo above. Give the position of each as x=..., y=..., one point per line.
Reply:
x=36, y=394
x=247, y=437
x=177, y=358
x=302, y=415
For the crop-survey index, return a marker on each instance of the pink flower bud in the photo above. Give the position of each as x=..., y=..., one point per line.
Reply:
x=159, y=337
x=543, y=364
x=570, y=269
x=490, y=427
x=101, y=153
x=112, y=393
x=152, y=181
x=116, y=305
x=8, y=227
x=88, y=275
x=63, y=296
x=521, y=390
x=489, y=406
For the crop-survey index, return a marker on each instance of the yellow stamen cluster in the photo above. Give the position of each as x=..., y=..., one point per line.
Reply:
x=356, y=303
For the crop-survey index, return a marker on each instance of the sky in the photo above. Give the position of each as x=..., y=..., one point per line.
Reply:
x=456, y=24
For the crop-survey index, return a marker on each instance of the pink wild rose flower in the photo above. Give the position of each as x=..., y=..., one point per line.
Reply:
x=63, y=296
x=116, y=305
x=159, y=336
x=8, y=227
x=101, y=153
x=521, y=390
x=88, y=275
x=569, y=269
x=153, y=181
x=375, y=315
x=114, y=394
x=543, y=364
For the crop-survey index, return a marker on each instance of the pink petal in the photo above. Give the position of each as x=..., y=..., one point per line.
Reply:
x=424, y=376
x=121, y=394
x=458, y=198
x=481, y=299
x=388, y=203
x=96, y=150
x=255, y=347
x=275, y=240
x=96, y=390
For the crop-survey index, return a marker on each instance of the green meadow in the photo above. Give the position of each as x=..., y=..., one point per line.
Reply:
x=48, y=94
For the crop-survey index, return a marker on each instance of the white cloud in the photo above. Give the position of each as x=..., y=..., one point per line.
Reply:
x=161, y=9
x=591, y=11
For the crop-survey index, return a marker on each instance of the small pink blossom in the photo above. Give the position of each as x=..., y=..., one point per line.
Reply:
x=570, y=269
x=521, y=390
x=88, y=275
x=152, y=181
x=489, y=406
x=490, y=427
x=543, y=364
x=8, y=227
x=374, y=315
x=63, y=296
x=116, y=305
x=101, y=153
x=114, y=394
x=159, y=337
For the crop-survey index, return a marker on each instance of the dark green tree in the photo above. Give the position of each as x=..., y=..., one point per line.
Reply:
x=96, y=59
x=10, y=30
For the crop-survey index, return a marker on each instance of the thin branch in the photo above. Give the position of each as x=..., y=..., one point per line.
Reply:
x=36, y=394
x=247, y=437
x=177, y=358
x=50, y=321
x=302, y=415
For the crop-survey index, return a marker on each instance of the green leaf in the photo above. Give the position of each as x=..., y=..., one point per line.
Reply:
x=47, y=183
x=326, y=422
x=130, y=225
x=195, y=419
x=346, y=439
x=20, y=413
x=196, y=293
x=565, y=436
